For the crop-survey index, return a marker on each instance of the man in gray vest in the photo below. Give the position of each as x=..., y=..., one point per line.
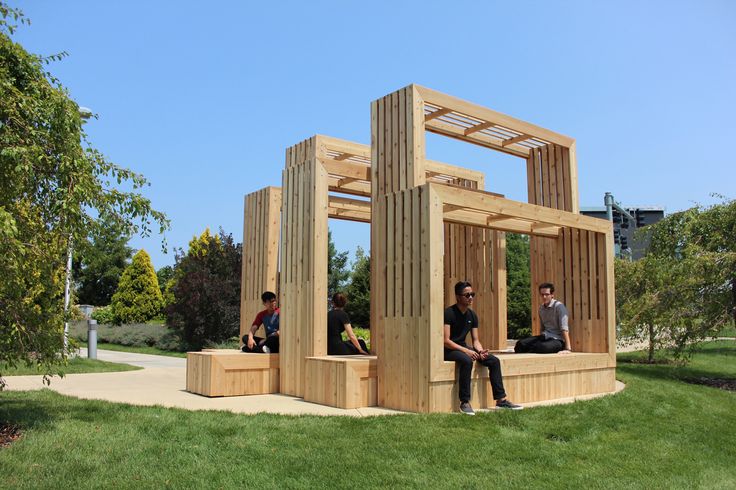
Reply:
x=555, y=335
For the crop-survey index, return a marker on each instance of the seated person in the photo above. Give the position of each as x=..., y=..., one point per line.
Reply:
x=337, y=321
x=269, y=318
x=461, y=320
x=555, y=330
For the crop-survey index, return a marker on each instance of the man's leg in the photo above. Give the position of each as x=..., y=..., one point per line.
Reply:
x=255, y=348
x=527, y=344
x=465, y=363
x=272, y=343
x=495, y=376
x=548, y=346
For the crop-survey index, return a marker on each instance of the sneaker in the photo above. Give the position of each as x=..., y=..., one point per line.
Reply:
x=507, y=404
x=266, y=349
x=466, y=408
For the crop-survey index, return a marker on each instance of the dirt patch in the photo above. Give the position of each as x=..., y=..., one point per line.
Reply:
x=720, y=383
x=8, y=434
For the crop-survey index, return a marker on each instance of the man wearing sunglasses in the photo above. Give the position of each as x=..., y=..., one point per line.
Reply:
x=460, y=320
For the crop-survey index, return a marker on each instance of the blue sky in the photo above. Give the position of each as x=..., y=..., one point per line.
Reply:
x=203, y=98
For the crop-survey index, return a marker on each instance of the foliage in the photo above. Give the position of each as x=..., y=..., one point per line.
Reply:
x=337, y=271
x=132, y=335
x=99, y=263
x=358, y=291
x=164, y=275
x=138, y=298
x=53, y=189
x=104, y=315
x=657, y=433
x=518, y=298
x=206, y=291
x=682, y=291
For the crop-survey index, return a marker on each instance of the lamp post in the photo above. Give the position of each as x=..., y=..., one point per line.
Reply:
x=85, y=113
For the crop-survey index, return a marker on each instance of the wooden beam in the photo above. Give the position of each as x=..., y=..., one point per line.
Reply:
x=486, y=203
x=516, y=139
x=479, y=127
x=346, y=169
x=515, y=225
x=480, y=139
x=517, y=125
x=438, y=113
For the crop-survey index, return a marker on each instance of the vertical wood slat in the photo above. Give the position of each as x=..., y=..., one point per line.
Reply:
x=261, y=222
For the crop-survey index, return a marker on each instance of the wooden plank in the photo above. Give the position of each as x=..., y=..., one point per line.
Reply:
x=479, y=139
x=515, y=139
x=463, y=107
x=436, y=114
x=480, y=127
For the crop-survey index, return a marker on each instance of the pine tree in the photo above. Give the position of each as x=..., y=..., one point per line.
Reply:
x=138, y=298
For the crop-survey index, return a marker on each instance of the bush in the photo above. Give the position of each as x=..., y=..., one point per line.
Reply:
x=206, y=292
x=138, y=298
x=103, y=315
x=133, y=335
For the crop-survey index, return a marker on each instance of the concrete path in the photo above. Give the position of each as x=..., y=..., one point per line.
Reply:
x=162, y=382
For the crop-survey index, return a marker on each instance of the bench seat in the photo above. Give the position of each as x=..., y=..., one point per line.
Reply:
x=342, y=381
x=529, y=378
x=229, y=372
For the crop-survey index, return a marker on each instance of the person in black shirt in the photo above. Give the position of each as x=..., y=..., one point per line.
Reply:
x=459, y=321
x=337, y=321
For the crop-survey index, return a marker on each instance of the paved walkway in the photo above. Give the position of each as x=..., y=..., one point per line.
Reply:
x=162, y=381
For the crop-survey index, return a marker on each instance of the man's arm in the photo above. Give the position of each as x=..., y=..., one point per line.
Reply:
x=476, y=342
x=449, y=344
x=568, y=345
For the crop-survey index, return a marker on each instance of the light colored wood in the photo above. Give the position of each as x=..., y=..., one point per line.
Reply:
x=528, y=378
x=261, y=226
x=484, y=114
x=342, y=381
x=232, y=373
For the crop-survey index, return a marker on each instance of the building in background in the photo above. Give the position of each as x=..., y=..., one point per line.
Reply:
x=627, y=244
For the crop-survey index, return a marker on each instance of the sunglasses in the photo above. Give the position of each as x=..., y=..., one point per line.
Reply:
x=469, y=295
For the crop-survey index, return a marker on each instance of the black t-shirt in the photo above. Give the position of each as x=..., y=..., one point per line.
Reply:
x=336, y=320
x=460, y=323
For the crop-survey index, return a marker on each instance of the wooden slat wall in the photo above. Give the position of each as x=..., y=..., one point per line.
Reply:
x=407, y=252
x=261, y=227
x=303, y=264
x=576, y=261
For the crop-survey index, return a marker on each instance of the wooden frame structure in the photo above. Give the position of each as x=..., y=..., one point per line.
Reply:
x=431, y=225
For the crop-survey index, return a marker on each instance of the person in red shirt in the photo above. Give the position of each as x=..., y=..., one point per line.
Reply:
x=269, y=318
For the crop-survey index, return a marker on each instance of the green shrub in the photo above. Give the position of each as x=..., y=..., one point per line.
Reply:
x=134, y=335
x=104, y=315
x=138, y=298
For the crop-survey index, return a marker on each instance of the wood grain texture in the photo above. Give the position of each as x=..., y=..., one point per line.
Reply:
x=342, y=381
x=232, y=373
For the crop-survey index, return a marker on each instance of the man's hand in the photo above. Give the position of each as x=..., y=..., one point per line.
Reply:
x=484, y=354
x=251, y=342
x=565, y=351
x=472, y=354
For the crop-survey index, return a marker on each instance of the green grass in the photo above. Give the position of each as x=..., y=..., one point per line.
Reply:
x=137, y=350
x=658, y=433
x=76, y=365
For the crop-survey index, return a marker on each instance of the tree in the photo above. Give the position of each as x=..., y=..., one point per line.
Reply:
x=54, y=186
x=337, y=271
x=138, y=298
x=681, y=292
x=206, y=291
x=359, y=290
x=164, y=275
x=518, y=298
x=99, y=262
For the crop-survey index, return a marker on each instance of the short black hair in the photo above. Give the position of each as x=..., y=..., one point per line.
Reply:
x=460, y=286
x=268, y=296
x=547, y=285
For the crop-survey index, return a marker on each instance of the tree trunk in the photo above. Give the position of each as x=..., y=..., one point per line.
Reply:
x=733, y=299
x=650, y=359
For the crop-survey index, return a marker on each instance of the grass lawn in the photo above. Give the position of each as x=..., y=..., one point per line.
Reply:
x=138, y=350
x=76, y=365
x=660, y=432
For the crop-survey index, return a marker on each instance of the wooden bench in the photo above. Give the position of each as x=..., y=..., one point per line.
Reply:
x=229, y=372
x=342, y=381
x=529, y=378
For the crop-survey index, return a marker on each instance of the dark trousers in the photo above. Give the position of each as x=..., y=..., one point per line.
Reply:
x=272, y=343
x=465, y=363
x=539, y=345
